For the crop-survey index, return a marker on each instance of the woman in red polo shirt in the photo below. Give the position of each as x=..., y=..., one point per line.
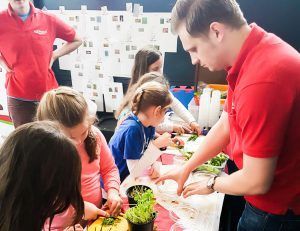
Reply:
x=27, y=35
x=260, y=124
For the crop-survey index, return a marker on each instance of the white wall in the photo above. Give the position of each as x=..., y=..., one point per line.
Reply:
x=3, y=4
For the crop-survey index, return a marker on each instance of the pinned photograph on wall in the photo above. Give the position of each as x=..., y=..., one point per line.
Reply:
x=92, y=19
x=156, y=47
x=127, y=48
x=138, y=20
x=141, y=29
x=89, y=86
x=121, y=18
x=165, y=30
x=168, y=20
x=141, y=9
x=96, y=27
x=62, y=9
x=134, y=48
x=129, y=7
x=83, y=9
x=117, y=51
x=131, y=56
x=94, y=86
x=114, y=96
x=77, y=18
x=162, y=21
x=118, y=27
x=88, y=52
x=115, y=18
x=144, y=20
x=106, y=53
x=104, y=9
x=95, y=94
x=90, y=43
x=97, y=67
x=106, y=44
x=71, y=18
x=85, y=43
x=110, y=89
x=136, y=9
x=80, y=73
x=99, y=19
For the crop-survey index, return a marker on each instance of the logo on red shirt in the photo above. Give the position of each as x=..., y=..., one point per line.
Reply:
x=40, y=32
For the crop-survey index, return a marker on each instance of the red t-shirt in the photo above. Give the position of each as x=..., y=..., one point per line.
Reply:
x=27, y=49
x=263, y=107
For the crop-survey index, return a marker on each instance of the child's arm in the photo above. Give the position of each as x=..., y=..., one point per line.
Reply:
x=108, y=169
x=137, y=167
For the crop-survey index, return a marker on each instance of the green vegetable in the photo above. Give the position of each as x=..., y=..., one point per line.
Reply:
x=193, y=137
x=108, y=221
x=208, y=169
x=218, y=160
x=186, y=155
x=144, y=211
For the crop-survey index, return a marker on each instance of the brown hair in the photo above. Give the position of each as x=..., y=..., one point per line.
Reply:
x=148, y=77
x=199, y=14
x=69, y=108
x=143, y=59
x=150, y=94
x=39, y=177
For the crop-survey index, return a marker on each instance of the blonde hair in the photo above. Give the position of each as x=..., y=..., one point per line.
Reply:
x=150, y=94
x=69, y=108
x=148, y=77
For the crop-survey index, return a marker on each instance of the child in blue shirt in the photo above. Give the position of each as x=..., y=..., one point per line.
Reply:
x=133, y=145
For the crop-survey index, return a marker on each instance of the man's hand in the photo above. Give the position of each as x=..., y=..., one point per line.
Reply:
x=199, y=188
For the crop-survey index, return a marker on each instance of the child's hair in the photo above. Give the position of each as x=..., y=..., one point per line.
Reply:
x=150, y=94
x=39, y=177
x=148, y=77
x=143, y=59
x=69, y=108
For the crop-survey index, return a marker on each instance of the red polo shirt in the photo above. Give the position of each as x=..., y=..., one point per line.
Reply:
x=264, y=114
x=27, y=49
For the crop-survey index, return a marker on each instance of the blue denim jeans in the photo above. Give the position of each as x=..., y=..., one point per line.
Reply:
x=254, y=219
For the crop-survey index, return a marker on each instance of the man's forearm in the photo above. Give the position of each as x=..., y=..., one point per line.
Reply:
x=213, y=144
x=67, y=48
x=4, y=64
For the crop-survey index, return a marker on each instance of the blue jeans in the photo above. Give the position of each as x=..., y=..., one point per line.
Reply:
x=254, y=219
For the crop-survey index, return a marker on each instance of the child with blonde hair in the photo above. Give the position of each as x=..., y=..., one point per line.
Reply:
x=69, y=108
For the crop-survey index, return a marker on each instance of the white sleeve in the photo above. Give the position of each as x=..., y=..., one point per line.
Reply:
x=181, y=111
x=165, y=126
x=137, y=167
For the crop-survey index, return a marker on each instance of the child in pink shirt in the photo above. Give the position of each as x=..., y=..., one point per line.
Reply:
x=70, y=109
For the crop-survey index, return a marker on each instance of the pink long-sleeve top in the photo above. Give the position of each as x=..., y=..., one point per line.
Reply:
x=103, y=167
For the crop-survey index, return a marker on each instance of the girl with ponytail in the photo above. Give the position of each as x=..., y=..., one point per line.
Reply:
x=133, y=144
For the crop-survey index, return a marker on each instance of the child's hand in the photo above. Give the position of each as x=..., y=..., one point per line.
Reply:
x=72, y=228
x=114, y=202
x=182, y=128
x=195, y=127
x=155, y=171
x=91, y=211
x=163, y=141
x=177, y=141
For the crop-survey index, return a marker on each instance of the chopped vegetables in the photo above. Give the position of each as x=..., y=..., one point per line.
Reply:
x=193, y=137
x=218, y=160
x=208, y=169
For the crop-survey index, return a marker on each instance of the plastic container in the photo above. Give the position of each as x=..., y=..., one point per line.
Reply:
x=131, y=200
x=184, y=211
x=142, y=227
x=193, y=108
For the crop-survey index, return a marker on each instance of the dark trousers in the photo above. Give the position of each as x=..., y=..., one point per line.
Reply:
x=254, y=219
x=21, y=112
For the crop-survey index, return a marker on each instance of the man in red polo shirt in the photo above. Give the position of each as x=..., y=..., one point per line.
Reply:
x=261, y=123
x=27, y=35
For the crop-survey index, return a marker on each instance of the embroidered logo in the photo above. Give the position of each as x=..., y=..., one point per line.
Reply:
x=40, y=32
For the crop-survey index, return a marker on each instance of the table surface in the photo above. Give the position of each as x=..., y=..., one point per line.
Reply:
x=195, y=213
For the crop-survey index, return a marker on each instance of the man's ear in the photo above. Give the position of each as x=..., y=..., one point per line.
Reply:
x=217, y=31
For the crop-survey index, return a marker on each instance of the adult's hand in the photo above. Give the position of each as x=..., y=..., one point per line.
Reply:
x=180, y=175
x=199, y=188
x=195, y=127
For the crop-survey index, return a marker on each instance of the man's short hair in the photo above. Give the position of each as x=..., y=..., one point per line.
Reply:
x=197, y=15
